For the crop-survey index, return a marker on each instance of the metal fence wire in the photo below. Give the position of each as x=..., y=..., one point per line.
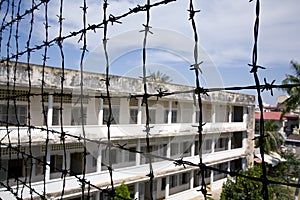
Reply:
x=14, y=49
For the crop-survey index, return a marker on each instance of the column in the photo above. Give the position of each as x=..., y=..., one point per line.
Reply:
x=98, y=195
x=139, y=116
x=213, y=143
x=169, y=148
x=213, y=120
x=99, y=158
x=244, y=166
x=167, y=189
x=193, y=147
x=138, y=155
x=136, y=191
x=245, y=114
x=48, y=160
x=100, y=114
x=194, y=114
x=228, y=168
x=229, y=141
x=230, y=114
x=192, y=179
x=50, y=110
x=170, y=113
x=211, y=179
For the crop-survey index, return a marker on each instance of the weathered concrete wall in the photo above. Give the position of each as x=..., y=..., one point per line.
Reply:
x=94, y=83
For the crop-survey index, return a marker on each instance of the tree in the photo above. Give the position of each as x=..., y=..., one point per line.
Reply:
x=160, y=77
x=244, y=188
x=273, y=139
x=293, y=101
x=122, y=192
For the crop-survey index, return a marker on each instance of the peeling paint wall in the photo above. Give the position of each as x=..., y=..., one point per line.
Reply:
x=94, y=83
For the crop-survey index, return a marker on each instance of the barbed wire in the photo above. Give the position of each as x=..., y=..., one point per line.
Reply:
x=200, y=92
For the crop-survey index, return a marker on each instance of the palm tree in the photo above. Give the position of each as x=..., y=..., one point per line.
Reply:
x=273, y=139
x=293, y=101
x=160, y=77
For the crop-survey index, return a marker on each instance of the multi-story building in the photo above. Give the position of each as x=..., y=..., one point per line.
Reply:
x=227, y=135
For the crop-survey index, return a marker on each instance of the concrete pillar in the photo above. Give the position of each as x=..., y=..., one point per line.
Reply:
x=169, y=148
x=99, y=158
x=68, y=160
x=97, y=196
x=228, y=168
x=244, y=164
x=136, y=191
x=170, y=113
x=48, y=160
x=194, y=114
x=139, y=116
x=213, y=143
x=213, y=120
x=138, y=155
x=167, y=189
x=192, y=179
x=245, y=114
x=50, y=110
x=193, y=147
x=100, y=114
x=230, y=114
x=211, y=179
x=229, y=141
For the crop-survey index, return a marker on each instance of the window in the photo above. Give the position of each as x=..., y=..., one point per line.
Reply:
x=207, y=145
x=207, y=113
x=173, y=181
x=77, y=163
x=237, y=140
x=238, y=114
x=173, y=118
x=184, y=178
x=152, y=115
x=222, y=144
x=132, y=154
x=133, y=116
x=163, y=184
x=174, y=149
x=186, y=148
x=15, y=168
x=39, y=165
x=55, y=115
x=114, y=117
x=56, y=162
x=78, y=117
x=163, y=149
x=13, y=115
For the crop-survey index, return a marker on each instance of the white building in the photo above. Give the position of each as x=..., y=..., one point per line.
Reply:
x=228, y=135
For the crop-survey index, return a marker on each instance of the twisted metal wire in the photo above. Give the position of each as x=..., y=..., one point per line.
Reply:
x=86, y=185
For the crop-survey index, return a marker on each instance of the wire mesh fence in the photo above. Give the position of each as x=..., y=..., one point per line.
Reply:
x=17, y=50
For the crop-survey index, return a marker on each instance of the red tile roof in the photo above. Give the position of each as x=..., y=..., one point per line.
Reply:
x=275, y=116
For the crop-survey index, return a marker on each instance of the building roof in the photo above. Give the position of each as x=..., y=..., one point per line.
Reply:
x=275, y=116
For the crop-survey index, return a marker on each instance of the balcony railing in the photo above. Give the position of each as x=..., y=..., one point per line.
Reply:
x=121, y=131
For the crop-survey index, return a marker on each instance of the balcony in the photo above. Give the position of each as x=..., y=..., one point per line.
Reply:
x=130, y=174
x=121, y=131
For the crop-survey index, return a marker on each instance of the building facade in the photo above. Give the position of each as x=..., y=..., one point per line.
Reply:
x=227, y=135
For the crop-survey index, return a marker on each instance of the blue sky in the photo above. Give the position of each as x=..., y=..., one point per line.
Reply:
x=225, y=31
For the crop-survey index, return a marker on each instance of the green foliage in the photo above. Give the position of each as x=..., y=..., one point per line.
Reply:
x=273, y=139
x=122, y=192
x=160, y=77
x=293, y=101
x=246, y=189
